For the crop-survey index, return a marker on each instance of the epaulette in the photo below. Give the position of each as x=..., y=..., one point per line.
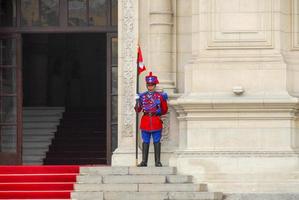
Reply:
x=164, y=95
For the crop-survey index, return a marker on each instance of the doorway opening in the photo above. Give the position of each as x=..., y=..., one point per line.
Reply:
x=69, y=71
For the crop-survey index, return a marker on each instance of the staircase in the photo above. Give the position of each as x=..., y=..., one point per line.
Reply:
x=80, y=139
x=37, y=182
x=39, y=126
x=132, y=183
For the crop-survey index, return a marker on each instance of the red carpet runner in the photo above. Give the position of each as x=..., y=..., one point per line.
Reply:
x=37, y=182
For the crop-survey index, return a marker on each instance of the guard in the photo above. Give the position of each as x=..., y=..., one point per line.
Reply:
x=153, y=104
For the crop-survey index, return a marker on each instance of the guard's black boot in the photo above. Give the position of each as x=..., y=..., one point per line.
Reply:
x=157, y=147
x=145, y=148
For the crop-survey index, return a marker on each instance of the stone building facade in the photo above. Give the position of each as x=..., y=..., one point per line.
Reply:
x=231, y=69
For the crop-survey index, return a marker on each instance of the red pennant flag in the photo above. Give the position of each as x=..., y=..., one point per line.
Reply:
x=140, y=64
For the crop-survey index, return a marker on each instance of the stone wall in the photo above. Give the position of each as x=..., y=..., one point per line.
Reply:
x=230, y=68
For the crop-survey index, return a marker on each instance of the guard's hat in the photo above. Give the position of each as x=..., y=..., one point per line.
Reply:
x=150, y=79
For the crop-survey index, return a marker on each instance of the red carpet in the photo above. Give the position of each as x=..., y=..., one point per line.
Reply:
x=37, y=182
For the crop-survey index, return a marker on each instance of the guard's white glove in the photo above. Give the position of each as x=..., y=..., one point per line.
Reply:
x=136, y=96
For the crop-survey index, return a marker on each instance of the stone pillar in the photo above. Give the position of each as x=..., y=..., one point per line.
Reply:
x=127, y=34
x=291, y=57
x=161, y=44
x=292, y=60
x=160, y=62
x=238, y=125
x=291, y=51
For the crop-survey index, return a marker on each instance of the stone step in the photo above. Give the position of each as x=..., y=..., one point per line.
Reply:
x=135, y=195
x=28, y=134
x=75, y=161
x=30, y=158
x=43, y=110
x=36, y=145
x=77, y=195
x=28, y=139
x=262, y=196
x=45, y=113
x=34, y=158
x=36, y=125
x=42, y=118
x=42, y=131
x=31, y=149
x=134, y=179
x=89, y=179
x=128, y=170
x=37, y=139
x=104, y=170
x=187, y=187
x=32, y=163
x=133, y=183
x=38, y=132
x=131, y=179
x=34, y=153
x=246, y=177
x=118, y=187
x=152, y=170
x=291, y=186
x=162, y=196
x=106, y=187
x=179, y=179
x=39, y=127
x=195, y=196
x=77, y=153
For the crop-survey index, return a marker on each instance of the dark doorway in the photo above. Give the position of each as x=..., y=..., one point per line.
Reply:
x=65, y=57
x=69, y=70
x=66, y=70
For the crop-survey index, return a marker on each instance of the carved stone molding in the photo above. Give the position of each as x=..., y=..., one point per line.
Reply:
x=197, y=154
x=161, y=27
x=295, y=25
x=165, y=132
x=127, y=70
x=227, y=29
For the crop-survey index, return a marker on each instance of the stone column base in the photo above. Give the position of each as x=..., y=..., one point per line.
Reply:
x=247, y=144
x=241, y=172
x=127, y=156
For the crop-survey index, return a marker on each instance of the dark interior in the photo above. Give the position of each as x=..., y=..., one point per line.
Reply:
x=69, y=70
x=66, y=70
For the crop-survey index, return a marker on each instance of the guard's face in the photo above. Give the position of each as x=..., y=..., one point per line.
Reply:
x=151, y=87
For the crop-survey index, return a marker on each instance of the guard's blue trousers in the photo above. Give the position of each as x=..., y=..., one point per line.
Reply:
x=146, y=136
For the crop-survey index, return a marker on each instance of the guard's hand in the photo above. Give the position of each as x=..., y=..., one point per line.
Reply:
x=136, y=107
x=136, y=96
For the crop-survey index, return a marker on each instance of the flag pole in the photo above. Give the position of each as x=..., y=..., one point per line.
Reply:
x=137, y=92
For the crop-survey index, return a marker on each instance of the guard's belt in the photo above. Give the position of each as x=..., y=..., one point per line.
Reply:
x=150, y=114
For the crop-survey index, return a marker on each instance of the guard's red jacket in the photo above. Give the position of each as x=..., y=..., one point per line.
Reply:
x=153, y=105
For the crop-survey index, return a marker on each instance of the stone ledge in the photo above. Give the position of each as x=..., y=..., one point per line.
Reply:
x=128, y=179
x=262, y=196
x=162, y=196
x=135, y=195
x=104, y=170
x=172, y=187
x=152, y=170
x=195, y=195
x=106, y=187
x=87, y=195
x=99, y=179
